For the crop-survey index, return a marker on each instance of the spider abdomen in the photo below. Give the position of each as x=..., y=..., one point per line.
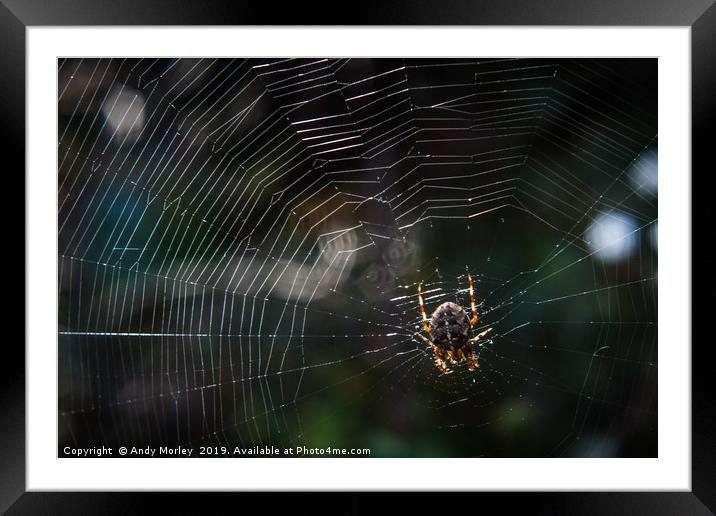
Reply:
x=449, y=326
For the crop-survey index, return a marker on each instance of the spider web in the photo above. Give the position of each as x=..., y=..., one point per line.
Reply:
x=241, y=240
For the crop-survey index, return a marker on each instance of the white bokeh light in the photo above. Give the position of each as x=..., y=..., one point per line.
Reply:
x=644, y=172
x=612, y=236
x=124, y=111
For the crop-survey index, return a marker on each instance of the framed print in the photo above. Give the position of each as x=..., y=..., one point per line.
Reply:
x=416, y=256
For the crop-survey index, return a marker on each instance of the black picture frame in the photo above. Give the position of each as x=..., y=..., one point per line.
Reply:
x=17, y=15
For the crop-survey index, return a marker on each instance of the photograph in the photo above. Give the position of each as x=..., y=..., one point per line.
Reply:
x=326, y=257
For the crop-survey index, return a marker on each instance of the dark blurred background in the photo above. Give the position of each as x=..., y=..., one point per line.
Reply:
x=240, y=243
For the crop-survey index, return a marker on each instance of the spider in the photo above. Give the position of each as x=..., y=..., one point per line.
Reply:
x=449, y=332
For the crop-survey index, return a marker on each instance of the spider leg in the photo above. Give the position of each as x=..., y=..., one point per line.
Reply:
x=440, y=359
x=473, y=321
x=426, y=327
x=427, y=341
x=451, y=356
x=473, y=362
x=477, y=337
x=441, y=365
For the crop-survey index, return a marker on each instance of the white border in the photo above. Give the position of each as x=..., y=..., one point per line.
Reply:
x=672, y=470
